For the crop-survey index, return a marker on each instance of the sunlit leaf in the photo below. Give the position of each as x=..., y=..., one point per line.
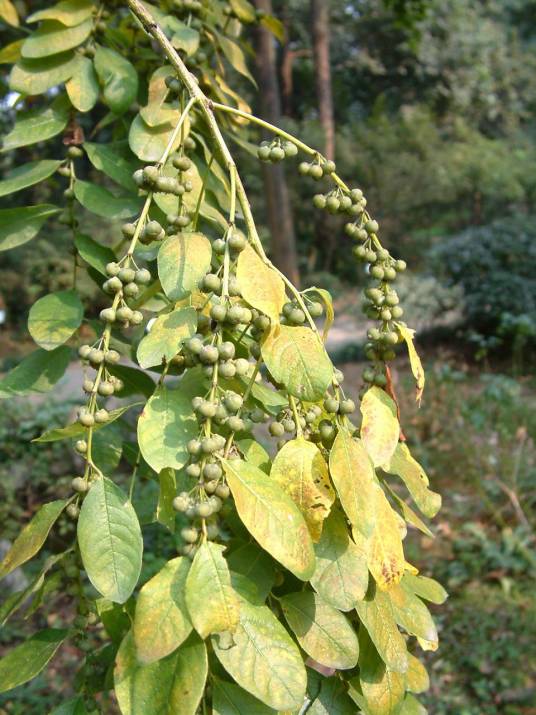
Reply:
x=260, y=285
x=53, y=37
x=27, y=175
x=118, y=77
x=182, y=261
x=54, y=318
x=380, y=429
x=20, y=225
x=414, y=477
x=83, y=86
x=167, y=335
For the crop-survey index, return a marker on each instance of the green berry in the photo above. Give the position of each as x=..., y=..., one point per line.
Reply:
x=331, y=404
x=96, y=356
x=236, y=242
x=400, y=266
x=112, y=269
x=142, y=276
x=277, y=154
x=233, y=402
x=226, y=350
x=347, y=407
x=189, y=535
x=102, y=416
x=79, y=485
x=136, y=317
x=86, y=419
x=212, y=471
x=218, y=313
x=131, y=290
x=328, y=167
x=181, y=503
x=227, y=369
x=242, y=366
x=316, y=172
x=377, y=272
x=124, y=313
x=223, y=491
x=290, y=149
x=84, y=351
x=397, y=312
x=193, y=470
x=194, y=447
x=219, y=246
x=112, y=357
x=371, y=226
x=209, y=445
x=235, y=424
x=211, y=283
x=105, y=388
x=333, y=204
x=276, y=429
x=81, y=446
x=204, y=510
x=303, y=168
x=107, y=315
x=263, y=152
x=209, y=354
x=297, y=316
x=319, y=201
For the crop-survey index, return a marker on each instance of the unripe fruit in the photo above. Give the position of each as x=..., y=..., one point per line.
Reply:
x=227, y=370
x=84, y=351
x=142, y=276
x=128, y=229
x=327, y=430
x=333, y=204
x=107, y=315
x=377, y=272
x=131, y=290
x=112, y=357
x=319, y=201
x=316, y=172
x=237, y=242
x=189, y=535
x=233, y=402
x=386, y=314
x=207, y=409
x=113, y=285
x=74, y=152
x=193, y=470
x=72, y=511
x=102, y=416
x=86, y=419
x=136, y=317
x=211, y=283
x=235, y=314
x=219, y=246
x=329, y=167
x=290, y=148
x=276, y=429
x=150, y=174
x=235, y=424
x=263, y=152
x=372, y=226
x=380, y=380
x=218, y=313
x=126, y=275
x=331, y=404
x=216, y=504
x=400, y=266
x=242, y=366
x=303, y=168
x=181, y=503
x=194, y=447
x=105, y=389
x=223, y=491
x=182, y=163
x=212, y=471
x=209, y=445
x=195, y=345
x=96, y=357
x=356, y=195
x=226, y=350
x=204, y=510
x=124, y=313
x=81, y=446
x=346, y=203
x=88, y=385
x=397, y=312
x=113, y=268
x=390, y=274
x=347, y=407
x=79, y=485
x=209, y=354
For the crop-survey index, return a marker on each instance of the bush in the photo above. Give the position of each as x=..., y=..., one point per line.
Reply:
x=494, y=265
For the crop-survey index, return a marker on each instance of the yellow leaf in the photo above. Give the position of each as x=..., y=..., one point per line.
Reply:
x=301, y=471
x=8, y=12
x=385, y=554
x=259, y=284
x=414, y=477
x=414, y=359
x=380, y=429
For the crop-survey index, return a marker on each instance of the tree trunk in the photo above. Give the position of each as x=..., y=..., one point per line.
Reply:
x=321, y=38
x=280, y=221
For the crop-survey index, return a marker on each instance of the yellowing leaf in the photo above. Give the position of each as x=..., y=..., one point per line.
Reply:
x=417, y=680
x=380, y=429
x=385, y=551
x=354, y=479
x=167, y=334
x=301, y=471
x=83, y=86
x=341, y=574
x=161, y=621
x=376, y=614
x=271, y=517
x=412, y=615
x=414, y=477
x=182, y=261
x=426, y=588
x=8, y=13
x=297, y=359
x=156, y=111
x=260, y=285
x=383, y=689
x=414, y=359
x=211, y=600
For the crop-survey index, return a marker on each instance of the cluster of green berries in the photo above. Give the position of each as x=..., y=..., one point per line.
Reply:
x=125, y=281
x=235, y=240
x=285, y=422
x=293, y=314
x=317, y=169
x=223, y=411
x=276, y=150
x=150, y=178
x=187, y=6
x=199, y=350
x=339, y=202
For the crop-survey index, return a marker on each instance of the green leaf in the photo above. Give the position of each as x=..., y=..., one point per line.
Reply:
x=38, y=372
x=75, y=429
x=27, y=175
x=341, y=574
x=354, y=479
x=263, y=659
x=165, y=427
x=93, y=253
x=409, y=515
x=411, y=706
x=412, y=615
x=417, y=680
x=376, y=614
x=9, y=54
x=254, y=453
x=414, y=477
x=100, y=201
x=157, y=111
x=380, y=429
x=68, y=12
x=83, y=86
x=135, y=382
x=323, y=632
x=148, y=143
x=254, y=563
x=382, y=689
x=118, y=78
x=297, y=359
x=36, y=126
x=29, y=542
x=271, y=517
x=107, y=447
x=110, y=541
x=386, y=560
x=165, y=513
x=54, y=318
x=74, y=706
x=184, y=37
x=166, y=336
x=332, y=699
x=169, y=686
x=211, y=600
x=301, y=471
x=109, y=159
x=230, y=699
x=28, y=659
x=38, y=76
x=20, y=225
x=53, y=37
x=183, y=260
x=260, y=285
x=235, y=56
x=426, y=588
x=244, y=10
x=161, y=621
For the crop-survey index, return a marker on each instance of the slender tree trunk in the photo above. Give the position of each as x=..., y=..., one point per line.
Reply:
x=320, y=26
x=278, y=206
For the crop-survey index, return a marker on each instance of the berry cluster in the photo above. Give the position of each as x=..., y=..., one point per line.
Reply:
x=317, y=169
x=276, y=150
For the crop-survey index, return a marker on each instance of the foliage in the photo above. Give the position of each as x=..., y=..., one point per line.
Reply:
x=193, y=298
x=486, y=262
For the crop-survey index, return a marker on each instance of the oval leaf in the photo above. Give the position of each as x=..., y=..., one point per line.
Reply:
x=27, y=175
x=165, y=427
x=169, y=686
x=110, y=541
x=385, y=550
x=38, y=372
x=36, y=126
x=380, y=428
x=167, y=334
x=230, y=699
x=100, y=201
x=323, y=632
x=118, y=77
x=38, y=76
x=414, y=477
x=341, y=574
x=297, y=359
x=53, y=37
x=211, y=600
x=260, y=285
x=161, y=622
x=54, y=318
x=20, y=225
x=301, y=471
x=182, y=261
x=83, y=86
x=271, y=517
x=263, y=659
